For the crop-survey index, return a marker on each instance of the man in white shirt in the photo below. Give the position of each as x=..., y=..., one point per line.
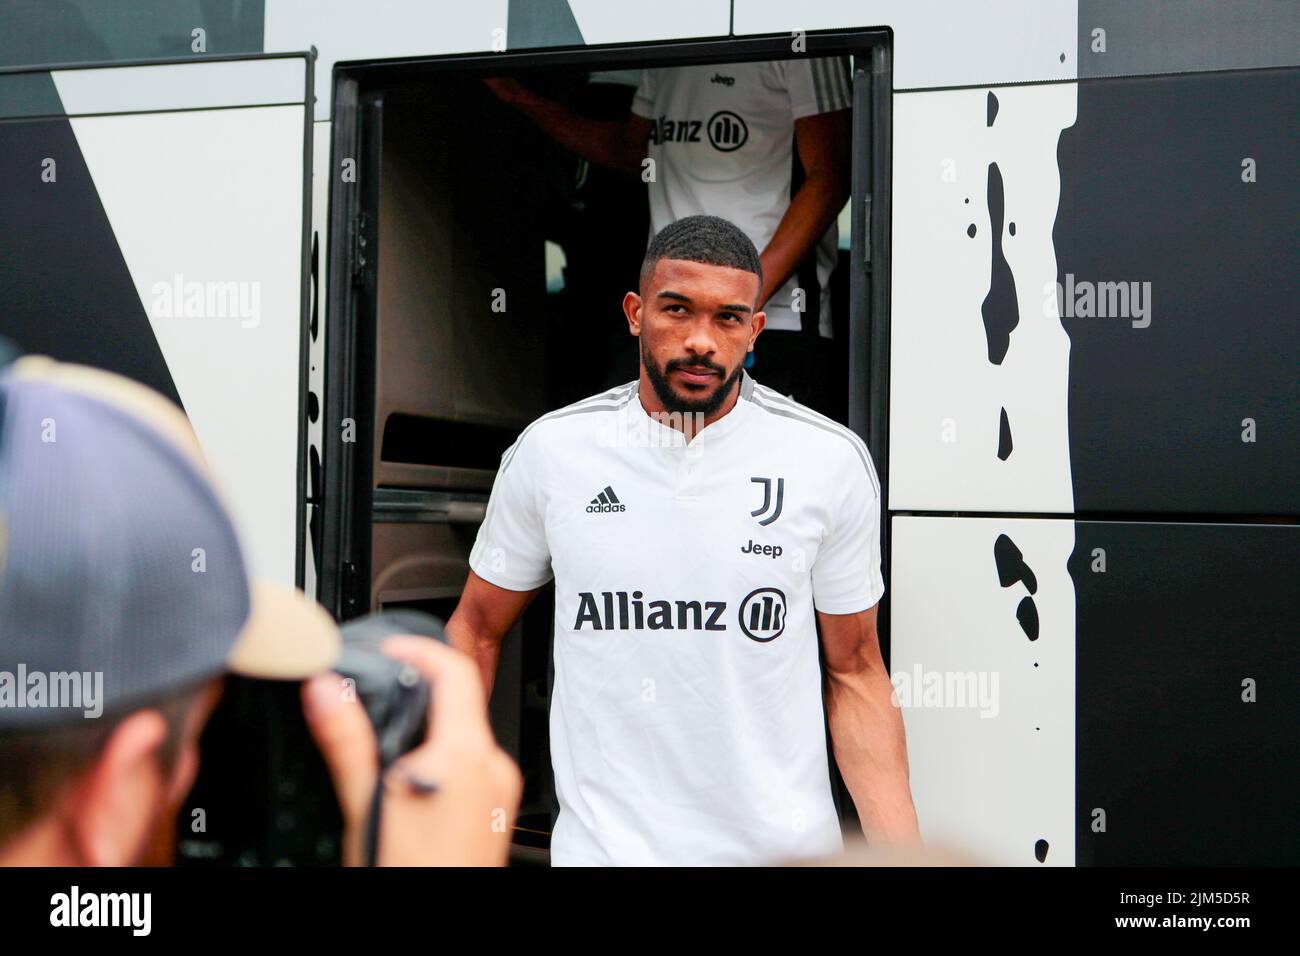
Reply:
x=701, y=530
x=721, y=140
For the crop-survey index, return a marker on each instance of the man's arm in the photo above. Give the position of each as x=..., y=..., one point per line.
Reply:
x=823, y=144
x=481, y=621
x=866, y=728
x=616, y=144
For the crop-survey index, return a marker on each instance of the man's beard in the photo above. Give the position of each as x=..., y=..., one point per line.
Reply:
x=668, y=396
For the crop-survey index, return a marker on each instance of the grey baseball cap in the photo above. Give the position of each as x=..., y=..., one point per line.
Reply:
x=118, y=562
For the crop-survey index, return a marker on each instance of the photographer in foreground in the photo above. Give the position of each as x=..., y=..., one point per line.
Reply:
x=124, y=602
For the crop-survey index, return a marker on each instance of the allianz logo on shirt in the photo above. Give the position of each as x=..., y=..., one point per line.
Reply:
x=727, y=131
x=665, y=130
x=761, y=614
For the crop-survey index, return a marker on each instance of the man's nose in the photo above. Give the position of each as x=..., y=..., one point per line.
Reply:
x=700, y=339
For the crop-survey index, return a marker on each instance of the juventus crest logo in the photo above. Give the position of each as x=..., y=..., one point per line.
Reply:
x=769, y=504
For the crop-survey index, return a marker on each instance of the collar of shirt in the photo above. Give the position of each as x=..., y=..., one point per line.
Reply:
x=664, y=435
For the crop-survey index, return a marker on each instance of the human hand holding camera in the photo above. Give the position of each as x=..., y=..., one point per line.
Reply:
x=452, y=800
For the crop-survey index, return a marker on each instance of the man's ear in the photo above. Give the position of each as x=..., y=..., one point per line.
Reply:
x=186, y=767
x=160, y=849
x=756, y=326
x=113, y=805
x=632, y=309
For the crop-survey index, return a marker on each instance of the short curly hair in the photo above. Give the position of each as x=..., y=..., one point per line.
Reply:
x=708, y=239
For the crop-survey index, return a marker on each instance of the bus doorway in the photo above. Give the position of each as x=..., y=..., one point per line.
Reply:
x=477, y=270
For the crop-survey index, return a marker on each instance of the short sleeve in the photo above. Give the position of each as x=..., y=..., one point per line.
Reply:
x=643, y=101
x=818, y=85
x=511, y=550
x=846, y=574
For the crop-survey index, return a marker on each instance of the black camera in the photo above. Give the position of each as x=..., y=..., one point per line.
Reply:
x=395, y=697
x=263, y=796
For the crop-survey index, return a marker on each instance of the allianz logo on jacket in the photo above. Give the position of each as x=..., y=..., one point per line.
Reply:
x=761, y=615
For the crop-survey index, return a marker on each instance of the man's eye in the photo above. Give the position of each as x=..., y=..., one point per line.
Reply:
x=675, y=306
x=729, y=316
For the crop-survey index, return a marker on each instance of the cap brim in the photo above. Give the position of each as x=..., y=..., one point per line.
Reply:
x=288, y=636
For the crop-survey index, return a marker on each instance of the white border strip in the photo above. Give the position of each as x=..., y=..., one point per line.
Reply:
x=181, y=86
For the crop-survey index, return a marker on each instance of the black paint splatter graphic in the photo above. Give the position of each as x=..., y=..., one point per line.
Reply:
x=1012, y=569
x=1004, y=437
x=970, y=230
x=1040, y=848
x=992, y=108
x=1011, y=565
x=1011, y=227
x=1000, y=310
x=1027, y=615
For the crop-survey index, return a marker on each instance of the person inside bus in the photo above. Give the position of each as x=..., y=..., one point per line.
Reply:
x=765, y=145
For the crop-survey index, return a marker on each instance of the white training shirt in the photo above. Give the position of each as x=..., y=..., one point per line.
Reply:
x=722, y=139
x=686, y=721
